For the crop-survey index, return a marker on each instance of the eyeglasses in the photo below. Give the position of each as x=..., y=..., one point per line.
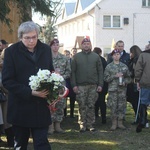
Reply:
x=30, y=38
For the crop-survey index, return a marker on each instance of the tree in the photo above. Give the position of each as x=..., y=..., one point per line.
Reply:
x=4, y=10
x=50, y=31
x=42, y=6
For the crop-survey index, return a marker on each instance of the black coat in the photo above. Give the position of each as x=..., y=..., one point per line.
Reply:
x=105, y=85
x=125, y=58
x=24, y=109
x=132, y=92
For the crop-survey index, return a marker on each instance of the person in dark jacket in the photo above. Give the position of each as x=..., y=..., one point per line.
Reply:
x=125, y=57
x=100, y=103
x=132, y=92
x=71, y=95
x=27, y=109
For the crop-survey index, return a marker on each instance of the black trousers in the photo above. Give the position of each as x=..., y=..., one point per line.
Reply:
x=72, y=105
x=39, y=135
x=101, y=104
x=133, y=98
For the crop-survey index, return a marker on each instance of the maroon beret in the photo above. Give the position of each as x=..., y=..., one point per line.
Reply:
x=85, y=40
x=54, y=41
x=115, y=51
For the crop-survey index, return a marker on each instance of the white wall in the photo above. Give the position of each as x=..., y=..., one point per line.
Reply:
x=80, y=26
x=136, y=32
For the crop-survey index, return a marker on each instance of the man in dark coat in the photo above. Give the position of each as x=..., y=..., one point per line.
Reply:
x=27, y=109
x=125, y=57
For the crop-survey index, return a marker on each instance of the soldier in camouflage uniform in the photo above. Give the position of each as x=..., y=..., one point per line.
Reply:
x=62, y=66
x=118, y=76
x=87, y=80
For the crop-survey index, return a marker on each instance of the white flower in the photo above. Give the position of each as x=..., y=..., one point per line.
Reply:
x=34, y=82
x=43, y=74
x=49, y=81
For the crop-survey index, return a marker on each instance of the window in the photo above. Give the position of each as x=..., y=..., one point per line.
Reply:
x=110, y=21
x=146, y=3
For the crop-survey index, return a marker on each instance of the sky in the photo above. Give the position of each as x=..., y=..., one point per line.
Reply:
x=37, y=18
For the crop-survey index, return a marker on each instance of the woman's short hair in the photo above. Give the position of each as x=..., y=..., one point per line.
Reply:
x=97, y=50
x=27, y=27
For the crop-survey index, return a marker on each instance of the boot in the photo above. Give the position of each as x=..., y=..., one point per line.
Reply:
x=10, y=137
x=51, y=129
x=120, y=125
x=143, y=118
x=58, y=128
x=114, y=124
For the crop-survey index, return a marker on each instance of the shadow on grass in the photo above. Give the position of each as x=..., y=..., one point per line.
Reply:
x=102, y=139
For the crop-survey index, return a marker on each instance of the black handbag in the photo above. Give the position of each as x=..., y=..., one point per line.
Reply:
x=3, y=97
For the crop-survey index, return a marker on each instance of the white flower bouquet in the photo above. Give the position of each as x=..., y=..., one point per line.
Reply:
x=49, y=81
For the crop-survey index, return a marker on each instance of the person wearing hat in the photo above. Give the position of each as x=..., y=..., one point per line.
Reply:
x=86, y=80
x=118, y=76
x=62, y=66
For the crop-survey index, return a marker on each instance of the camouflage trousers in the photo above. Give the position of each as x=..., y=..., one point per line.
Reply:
x=57, y=116
x=117, y=103
x=86, y=99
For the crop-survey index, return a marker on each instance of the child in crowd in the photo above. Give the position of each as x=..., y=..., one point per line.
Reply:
x=118, y=76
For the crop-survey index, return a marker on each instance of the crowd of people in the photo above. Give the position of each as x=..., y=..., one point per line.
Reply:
x=122, y=77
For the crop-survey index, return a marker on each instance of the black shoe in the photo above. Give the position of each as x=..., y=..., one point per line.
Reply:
x=139, y=128
x=91, y=129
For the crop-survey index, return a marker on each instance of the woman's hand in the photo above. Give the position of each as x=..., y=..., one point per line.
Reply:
x=99, y=89
x=42, y=94
x=138, y=86
x=76, y=90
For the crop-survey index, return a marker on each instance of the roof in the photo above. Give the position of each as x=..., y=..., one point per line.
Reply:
x=86, y=3
x=86, y=6
x=69, y=8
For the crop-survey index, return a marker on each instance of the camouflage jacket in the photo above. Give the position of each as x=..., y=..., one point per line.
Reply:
x=62, y=62
x=109, y=76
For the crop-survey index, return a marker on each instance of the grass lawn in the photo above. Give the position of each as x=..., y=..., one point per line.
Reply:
x=102, y=139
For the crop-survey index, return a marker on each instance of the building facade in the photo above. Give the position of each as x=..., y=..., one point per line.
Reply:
x=105, y=21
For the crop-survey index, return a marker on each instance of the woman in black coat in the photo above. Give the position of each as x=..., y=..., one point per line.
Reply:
x=132, y=92
x=27, y=109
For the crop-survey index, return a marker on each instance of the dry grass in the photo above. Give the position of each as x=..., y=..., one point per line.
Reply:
x=102, y=139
